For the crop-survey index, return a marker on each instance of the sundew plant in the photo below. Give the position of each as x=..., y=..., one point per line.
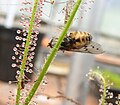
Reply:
x=24, y=52
x=104, y=86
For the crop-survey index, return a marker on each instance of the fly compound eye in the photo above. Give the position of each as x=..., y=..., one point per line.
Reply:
x=89, y=38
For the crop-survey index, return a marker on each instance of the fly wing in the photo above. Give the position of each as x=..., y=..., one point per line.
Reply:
x=93, y=48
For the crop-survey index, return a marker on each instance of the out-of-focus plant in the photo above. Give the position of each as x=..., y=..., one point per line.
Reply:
x=112, y=77
x=93, y=75
x=105, y=83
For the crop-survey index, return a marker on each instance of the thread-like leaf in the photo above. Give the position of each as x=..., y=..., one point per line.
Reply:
x=22, y=67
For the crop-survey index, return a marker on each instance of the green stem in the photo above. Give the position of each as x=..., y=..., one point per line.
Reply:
x=52, y=54
x=104, y=87
x=22, y=67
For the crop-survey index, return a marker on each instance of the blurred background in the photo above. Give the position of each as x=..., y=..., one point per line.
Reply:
x=67, y=82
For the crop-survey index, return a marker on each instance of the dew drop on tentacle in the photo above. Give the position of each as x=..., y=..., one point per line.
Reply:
x=32, y=53
x=17, y=60
x=24, y=39
x=30, y=64
x=16, y=53
x=14, y=65
x=17, y=45
x=18, y=31
x=24, y=34
x=32, y=48
x=30, y=71
x=18, y=72
x=23, y=44
x=13, y=58
x=14, y=49
x=17, y=37
x=36, y=38
x=27, y=69
x=29, y=59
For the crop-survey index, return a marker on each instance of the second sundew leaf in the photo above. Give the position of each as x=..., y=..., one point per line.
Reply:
x=25, y=54
x=52, y=54
x=97, y=75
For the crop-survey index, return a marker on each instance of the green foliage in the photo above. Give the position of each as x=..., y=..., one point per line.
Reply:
x=112, y=77
x=93, y=75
